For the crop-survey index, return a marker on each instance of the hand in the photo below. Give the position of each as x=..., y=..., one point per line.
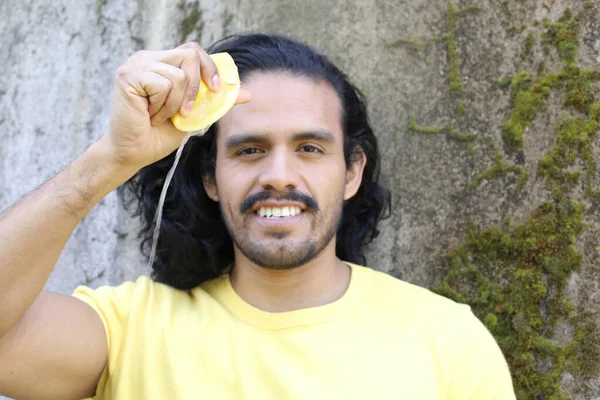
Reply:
x=150, y=88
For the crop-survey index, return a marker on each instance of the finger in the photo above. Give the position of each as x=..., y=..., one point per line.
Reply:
x=208, y=73
x=208, y=68
x=174, y=101
x=188, y=59
x=243, y=97
x=154, y=87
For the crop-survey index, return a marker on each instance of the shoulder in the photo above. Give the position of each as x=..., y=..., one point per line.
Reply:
x=466, y=349
x=132, y=296
x=142, y=288
x=387, y=292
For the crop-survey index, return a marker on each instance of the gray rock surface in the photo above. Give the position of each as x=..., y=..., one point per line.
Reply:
x=59, y=59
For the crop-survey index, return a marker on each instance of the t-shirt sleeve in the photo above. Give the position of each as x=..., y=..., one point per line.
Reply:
x=112, y=304
x=482, y=372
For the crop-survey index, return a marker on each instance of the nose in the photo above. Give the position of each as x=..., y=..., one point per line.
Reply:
x=278, y=173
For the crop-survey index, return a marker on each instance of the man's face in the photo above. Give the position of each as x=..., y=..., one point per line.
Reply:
x=281, y=177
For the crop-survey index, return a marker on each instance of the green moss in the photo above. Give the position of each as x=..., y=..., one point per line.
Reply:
x=573, y=143
x=455, y=85
x=415, y=46
x=191, y=22
x=528, y=45
x=454, y=76
x=460, y=136
x=490, y=321
x=579, y=91
x=499, y=271
x=588, y=5
x=514, y=278
x=584, y=350
x=461, y=108
x=433, y=130
x=471, y=9
x=528, y=94
x=498, y=169
x=227, y=18
x=99, y=10
x=471, y=149
x=516, y=29
x=541, y=68
x=564, y=36
x=413, y=126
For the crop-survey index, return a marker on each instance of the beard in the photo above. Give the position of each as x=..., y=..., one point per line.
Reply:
x=283, y=253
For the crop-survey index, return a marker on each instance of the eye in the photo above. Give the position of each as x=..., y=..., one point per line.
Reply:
x=249, y=151
x=309, y=148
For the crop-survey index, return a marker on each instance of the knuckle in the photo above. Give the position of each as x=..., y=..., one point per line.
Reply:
x=181, y=77
x=171, y=109
x=198, y=48
x=194, y=55
x=193, y=45
x=194, y=89
x=123, y=72
x=141, y=54
x=137, y=56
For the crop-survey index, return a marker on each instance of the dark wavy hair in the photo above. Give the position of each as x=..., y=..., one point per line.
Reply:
x=194, y=245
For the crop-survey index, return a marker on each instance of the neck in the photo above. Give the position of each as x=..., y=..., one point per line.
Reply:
x=321, y=281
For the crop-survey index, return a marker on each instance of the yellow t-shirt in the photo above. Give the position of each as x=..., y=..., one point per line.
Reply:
x=384, y=339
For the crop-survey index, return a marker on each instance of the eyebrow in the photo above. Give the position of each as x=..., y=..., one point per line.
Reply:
x=241, y=139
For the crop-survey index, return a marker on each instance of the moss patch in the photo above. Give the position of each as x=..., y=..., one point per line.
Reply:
x=498, y=169
x=529, y=92
x=99, y=10
x=514, y=278
x=455, y=85
x=449, y=37
x=516, y=28
x=415, y=46
x=227, y=19
x=564, y=36
x=572, y=144
x=528, y=45
x=191, y=23
x=432, y=130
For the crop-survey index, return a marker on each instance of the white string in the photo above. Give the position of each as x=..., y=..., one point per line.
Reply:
x=163, y=194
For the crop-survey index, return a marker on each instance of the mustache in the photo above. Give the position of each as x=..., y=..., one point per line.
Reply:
x=249, y=202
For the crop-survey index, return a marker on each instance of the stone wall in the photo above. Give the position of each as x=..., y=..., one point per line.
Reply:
x=487, y=114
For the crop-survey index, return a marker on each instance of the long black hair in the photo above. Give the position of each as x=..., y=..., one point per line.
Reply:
x=194, y=245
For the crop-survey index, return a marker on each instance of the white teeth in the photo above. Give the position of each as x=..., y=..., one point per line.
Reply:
x=279, y=212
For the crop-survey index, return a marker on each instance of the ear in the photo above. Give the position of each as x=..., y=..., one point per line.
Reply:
x=210, y=187
x=354, y=172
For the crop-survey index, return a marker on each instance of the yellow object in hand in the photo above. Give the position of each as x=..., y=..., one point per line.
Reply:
x=210, y=106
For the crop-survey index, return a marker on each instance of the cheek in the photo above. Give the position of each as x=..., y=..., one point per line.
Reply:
x=233, y=183
x=328, y=187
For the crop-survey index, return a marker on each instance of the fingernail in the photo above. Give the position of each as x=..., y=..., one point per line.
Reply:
x=216, y=83
x=188, y=106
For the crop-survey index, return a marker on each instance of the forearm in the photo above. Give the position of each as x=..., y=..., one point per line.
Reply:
x=34, y=231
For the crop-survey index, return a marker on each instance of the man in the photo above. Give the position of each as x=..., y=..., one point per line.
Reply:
x=256, y=291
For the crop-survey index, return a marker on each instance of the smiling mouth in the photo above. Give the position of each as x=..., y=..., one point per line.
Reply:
x=278, y=212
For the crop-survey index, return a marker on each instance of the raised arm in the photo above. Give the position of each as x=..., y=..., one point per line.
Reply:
x=53, y=346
